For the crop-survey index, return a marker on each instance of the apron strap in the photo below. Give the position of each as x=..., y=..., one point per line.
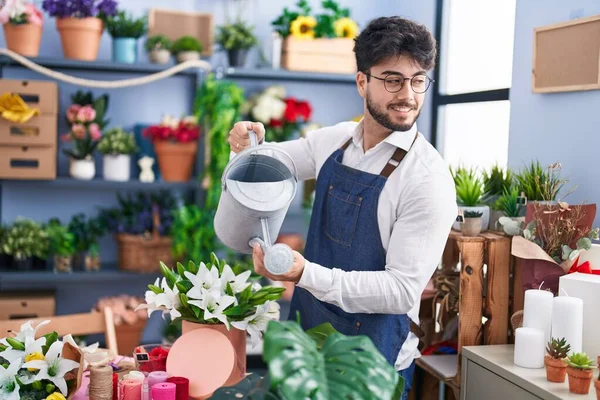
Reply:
x=345, y=145
x=395, y=160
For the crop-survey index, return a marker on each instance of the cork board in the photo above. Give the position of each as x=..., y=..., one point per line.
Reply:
x=175, y=24
x=566, y=56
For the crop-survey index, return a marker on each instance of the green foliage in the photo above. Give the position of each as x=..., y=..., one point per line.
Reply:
x=469, y=188
x=62, y=242
x=496, y=181
x=580, y=361
x=187, y=43
x=116, y=141
x=509, y=203
x=187, y=231
x=158, y=42
x=473, y=214
x=25, y=238
x=217, y=106
x=236, y=36
x=124, y=25
x=541, y=184
x=86, y=232
x=100, y=104
x=283, y=22
x=324, y=28
x=558, y=349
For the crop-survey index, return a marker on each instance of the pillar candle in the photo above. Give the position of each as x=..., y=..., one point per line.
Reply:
x=567, y=321
x=537, y=312
x=529, y=348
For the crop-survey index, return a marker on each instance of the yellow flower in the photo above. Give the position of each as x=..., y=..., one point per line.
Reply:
x=302, y=27
x=345, y=27
x=34, y=356
x=56, y=396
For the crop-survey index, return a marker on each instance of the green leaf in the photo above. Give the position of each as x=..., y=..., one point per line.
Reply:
x=197, y=311
x=50, y=339
x=574, y=254
x=252, y=387
x=184, y=286
x=192, y=267
x=584, y=244
x=15, y=344
x=229, y=289
x=181, y=270
x=184, y=299
x=214, y=260
x=155, y=289
x=3, y=347
x=320, y=333
x=168, y=274
x=244, y=296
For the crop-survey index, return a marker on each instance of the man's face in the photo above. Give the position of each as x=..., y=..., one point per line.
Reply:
x=394, y=111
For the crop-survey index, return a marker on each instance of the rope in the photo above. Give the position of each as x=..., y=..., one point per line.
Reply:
x=106, y=84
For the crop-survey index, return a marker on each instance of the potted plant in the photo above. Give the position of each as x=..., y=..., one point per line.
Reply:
x=541, y=185
x=187, y=48
x=24, y=240
x=556, y=367
x=125, y=31
x=580, y=371
x=175, y=144
x=23, y=23
x=117, y=146
x=509, y=203
x=236, y=38
x=597, y=382
x=469, y=195
x=495, y=182
x=214, y=295
x=86, y=120
x=86, y=232
x=129, y=323
x=158, y=48
x=471, y=225
x=80, y=24
x=62, y=245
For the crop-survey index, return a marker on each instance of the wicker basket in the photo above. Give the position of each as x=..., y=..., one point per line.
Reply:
x=143, y=253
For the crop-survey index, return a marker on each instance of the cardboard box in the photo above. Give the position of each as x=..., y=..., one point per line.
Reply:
x=27, y=162
x=587, y=288
x=39, y=130
x=334, y=55
x=175, y=24
x=26, y=305
x=37, y=94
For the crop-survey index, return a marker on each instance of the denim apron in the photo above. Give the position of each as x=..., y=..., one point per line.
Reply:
x=344, y=234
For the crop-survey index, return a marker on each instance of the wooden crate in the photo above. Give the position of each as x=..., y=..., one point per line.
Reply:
x=39, y=94
x=334, y=55
x=28, y=162
x=26, y=305
x=38, y=131
x=175, y=24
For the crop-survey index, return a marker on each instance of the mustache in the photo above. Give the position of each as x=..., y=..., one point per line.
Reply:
x=403, y=104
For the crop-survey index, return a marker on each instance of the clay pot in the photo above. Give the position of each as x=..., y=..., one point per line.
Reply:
x=23, y=39
x=556, y=370
x=93, y=264
x=159, y=56
x=176, y=160
x=80, y=37
x=471, y=226
x=580, y=380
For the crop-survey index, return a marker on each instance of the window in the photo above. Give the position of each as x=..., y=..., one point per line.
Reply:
x=471, y=111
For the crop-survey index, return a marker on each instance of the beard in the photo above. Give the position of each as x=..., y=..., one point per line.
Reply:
x=384, y=119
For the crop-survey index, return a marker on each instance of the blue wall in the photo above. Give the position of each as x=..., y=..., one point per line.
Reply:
x=553, y=127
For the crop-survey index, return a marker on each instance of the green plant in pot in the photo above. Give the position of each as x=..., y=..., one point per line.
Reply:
x=509, y=203
x=469, y=195
x=86, y=233
x=117, y=146
x=187, y=48
x=580, y=371
x=556, y=367
x=495, y=182
x=24, y=240
x=158, y=48
x=236, y=38
x=125, y=31
x=62, y=245
x=541, y=184
x=471, y=225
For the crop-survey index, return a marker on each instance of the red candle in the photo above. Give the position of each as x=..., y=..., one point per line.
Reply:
x=115, y=386
x=182, y=387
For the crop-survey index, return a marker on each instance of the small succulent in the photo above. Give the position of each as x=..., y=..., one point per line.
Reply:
x=158, y=42
x=473, y=214
x=580, y=361
x=187, y=43
x=558, y=348
x=469, y=187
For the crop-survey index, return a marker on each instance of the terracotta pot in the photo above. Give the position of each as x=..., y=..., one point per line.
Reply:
x=92, y=263
x=580, y=380
x=471, y=226
x=129, y=336
x=597, y=386
x=556, y=370
x=237, y=339
x=176, y=160
x=80, y=37
x=23, y=39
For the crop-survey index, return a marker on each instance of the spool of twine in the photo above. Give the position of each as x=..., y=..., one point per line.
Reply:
x=182, y=387
x=164, y=391
x=101, y=383
x=130, y=389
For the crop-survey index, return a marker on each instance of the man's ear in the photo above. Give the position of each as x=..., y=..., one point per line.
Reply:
x=361, y=83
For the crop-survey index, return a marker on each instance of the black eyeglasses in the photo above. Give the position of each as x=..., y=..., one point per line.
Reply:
x=394, y=83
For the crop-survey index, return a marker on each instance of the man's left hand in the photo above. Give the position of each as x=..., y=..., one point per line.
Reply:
x=293, y=275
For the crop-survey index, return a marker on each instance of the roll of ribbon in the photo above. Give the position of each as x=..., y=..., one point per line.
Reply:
x=182, y=387
x=164, y=391
x=101, y=381
x=157, y=377
x=115, y=386
x=131, y=389
x=137, y=375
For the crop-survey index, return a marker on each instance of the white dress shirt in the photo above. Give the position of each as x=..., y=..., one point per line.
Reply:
x=416, y=210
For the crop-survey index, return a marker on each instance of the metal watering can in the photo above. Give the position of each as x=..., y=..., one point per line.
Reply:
x=258, y=188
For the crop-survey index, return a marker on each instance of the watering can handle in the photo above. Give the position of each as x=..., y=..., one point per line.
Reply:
x=253, y=138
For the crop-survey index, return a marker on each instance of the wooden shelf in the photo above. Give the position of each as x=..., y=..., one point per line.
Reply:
x=97, y=183
x=285, y=75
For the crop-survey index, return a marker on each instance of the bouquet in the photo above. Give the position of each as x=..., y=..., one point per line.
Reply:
x=86, y=119
x=19, y=12
x=80, y=9
x=214, y=294
x=176, y=130
x=38, y=368
x=281, y=115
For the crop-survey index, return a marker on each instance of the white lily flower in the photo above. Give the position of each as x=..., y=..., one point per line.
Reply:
x=150, y=298
x=54, y=367
x=169, y=300
x=238, y=283
x=31, y=346
x=214, y=304
x=256, y=324
x=27, y=330
x=9, y=387
x=205, y=280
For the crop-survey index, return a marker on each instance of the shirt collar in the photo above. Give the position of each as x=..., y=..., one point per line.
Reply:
x=404, y=140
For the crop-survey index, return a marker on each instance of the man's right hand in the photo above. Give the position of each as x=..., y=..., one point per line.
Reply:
x=239, y=138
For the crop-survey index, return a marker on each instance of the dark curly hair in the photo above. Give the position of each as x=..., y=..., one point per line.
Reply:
x=387, y=37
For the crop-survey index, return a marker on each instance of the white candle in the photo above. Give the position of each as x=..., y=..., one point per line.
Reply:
x=529, y=348
x=537, y=312
x=567, y=321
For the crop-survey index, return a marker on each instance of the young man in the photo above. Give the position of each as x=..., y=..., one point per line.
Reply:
x=384, y=201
